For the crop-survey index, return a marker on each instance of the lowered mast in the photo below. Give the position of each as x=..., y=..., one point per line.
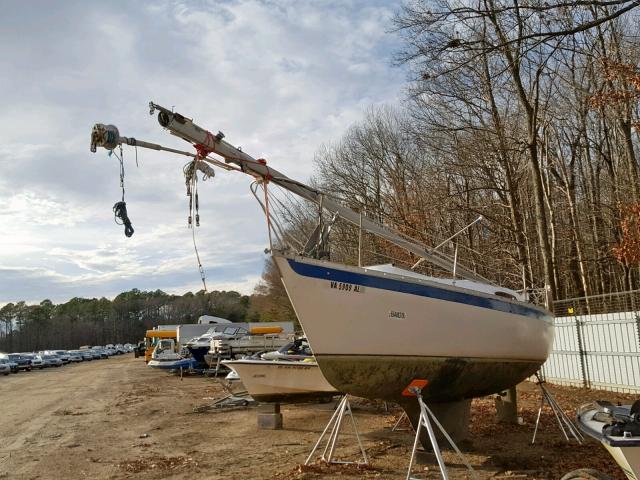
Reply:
x=206, y=143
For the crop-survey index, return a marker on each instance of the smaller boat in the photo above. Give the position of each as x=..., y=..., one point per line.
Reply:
x=165, y=357
x=199, y=346
x=177, y=364
x=282, y=381
x=235, y=342
x=617, y=427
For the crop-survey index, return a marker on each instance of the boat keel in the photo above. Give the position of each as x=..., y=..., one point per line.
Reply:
x=449, y=379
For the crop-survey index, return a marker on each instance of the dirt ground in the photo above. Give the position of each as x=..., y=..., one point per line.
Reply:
x=119, y=419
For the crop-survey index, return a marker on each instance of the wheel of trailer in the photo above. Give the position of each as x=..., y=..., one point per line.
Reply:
x=586, y=474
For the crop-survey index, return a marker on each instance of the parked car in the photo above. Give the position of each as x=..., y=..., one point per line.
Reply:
x=119, y=349
x=13, y=366
x=5, y=369
x=51, y=360
x=96, y=354
x=75, y=356
x=61, y=354
x=42, y=353
x=23, y=362
x=101, y=351
x=86, y=355
x=36, y=361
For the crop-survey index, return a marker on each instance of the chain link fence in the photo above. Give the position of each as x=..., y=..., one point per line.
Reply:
x=597, y=342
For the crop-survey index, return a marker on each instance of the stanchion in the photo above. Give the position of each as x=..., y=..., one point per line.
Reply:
x=561, y=417
x=335, y=424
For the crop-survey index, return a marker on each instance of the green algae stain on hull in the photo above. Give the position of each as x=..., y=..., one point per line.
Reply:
x=450, y=379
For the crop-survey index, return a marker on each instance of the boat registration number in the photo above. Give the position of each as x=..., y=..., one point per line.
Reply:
x=347, y=287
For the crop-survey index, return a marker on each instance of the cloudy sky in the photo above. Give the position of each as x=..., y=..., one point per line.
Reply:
x=278, y=77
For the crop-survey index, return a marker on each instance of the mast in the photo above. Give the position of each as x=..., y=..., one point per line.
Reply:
x=206, y=143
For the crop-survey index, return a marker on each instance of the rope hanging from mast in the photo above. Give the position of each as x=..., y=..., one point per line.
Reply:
x=120, y=208
x=191, y=181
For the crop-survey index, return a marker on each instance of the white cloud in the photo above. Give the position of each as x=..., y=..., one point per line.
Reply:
x=278, y=77
x=41, y=210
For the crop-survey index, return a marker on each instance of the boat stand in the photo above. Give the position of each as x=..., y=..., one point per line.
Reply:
x=561, y=417
x=335, y=424
x=426, y=415
x=403, y=420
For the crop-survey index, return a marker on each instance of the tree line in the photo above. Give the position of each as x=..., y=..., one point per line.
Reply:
x=99, y=321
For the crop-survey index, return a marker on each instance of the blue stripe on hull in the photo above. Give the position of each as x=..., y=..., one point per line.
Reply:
x=332, y=274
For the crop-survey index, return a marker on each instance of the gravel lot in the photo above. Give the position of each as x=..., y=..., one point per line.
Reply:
x=117, y=419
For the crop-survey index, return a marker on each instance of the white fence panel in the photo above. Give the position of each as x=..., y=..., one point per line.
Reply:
x=597, y=343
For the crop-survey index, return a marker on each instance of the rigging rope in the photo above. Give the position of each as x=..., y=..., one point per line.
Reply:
x=120, y=208
x=291, y=218
x=191, y=182
x=120, y=212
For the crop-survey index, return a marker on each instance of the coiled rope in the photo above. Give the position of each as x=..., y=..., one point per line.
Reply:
x=120, y=212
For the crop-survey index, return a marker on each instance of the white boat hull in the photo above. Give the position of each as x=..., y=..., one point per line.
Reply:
x=628, y=458
x=172, y=364
x=625, y=449
x=372, y=332
x=282, y=381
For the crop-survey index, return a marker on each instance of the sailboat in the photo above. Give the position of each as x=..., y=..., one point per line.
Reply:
x=376, y=329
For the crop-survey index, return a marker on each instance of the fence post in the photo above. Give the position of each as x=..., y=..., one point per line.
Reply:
x=581, y=351
x=638, y=327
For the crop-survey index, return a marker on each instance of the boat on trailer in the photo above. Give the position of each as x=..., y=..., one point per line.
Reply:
x=165, y=357
x=184, y=363
x=235, y=342
x=375, y=330
x=199, y=346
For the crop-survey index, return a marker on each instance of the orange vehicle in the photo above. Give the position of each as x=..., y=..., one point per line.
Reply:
x=152, y=337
